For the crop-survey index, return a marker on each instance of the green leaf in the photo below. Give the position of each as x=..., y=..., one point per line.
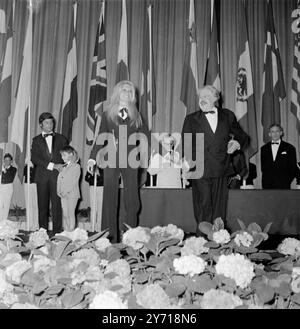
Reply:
x=116, y=287
x=260, y=256
x=206, y=228
x=175, y=290
x=284, y=289
x=29, y=278
x=296, y=298
x=173, y=250
x=55, y=290
x=245, y=250
x=141, y=277
x=39, y=287
x=112, y=254
x=242, y=225
x=60, y=238
x=267, y=227
x=72, y=298
x=97, y=236
x=110, y=275
x=218, y=224
x=59, y=251
x=211, y=244
x=201, y=284
x=171, y=242
x=265, y=293
x=253, y=227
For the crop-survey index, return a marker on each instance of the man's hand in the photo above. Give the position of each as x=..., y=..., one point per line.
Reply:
x=58, y=167
x=90, y=166
x=232, y=146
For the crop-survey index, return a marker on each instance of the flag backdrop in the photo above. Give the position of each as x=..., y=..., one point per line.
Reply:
x=273, y=83
x=70, y=97
x=189, y=82
x=147, y=103
x=98, y=86
x=6, y=75
x=19, y=128
x=122, y=65
x=295, y=93
x=245, y=108
x=213, y=62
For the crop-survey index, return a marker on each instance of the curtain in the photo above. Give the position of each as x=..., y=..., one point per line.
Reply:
x=51, y=22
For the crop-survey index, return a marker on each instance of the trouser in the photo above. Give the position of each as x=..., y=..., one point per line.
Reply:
x=46, y=191
x=110, y=199
x=210, y=196
x=98, y=205
x=33, y=210
x=68, y=210
x=6, y=192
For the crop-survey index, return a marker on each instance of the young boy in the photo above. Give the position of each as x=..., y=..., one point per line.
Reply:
x=67, y=186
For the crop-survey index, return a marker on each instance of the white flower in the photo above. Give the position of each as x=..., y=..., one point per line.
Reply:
x=221, y=236
x=119, y=266
x=78, y=277
x=245, y=239
x=17, y=269
x=236, y=267
x=153, y=296
x=190, y=265
x=90, y=256
x=4, y=285
x=102, y=243
x=174, y=232
x=39, y=238
x=136, y=237
x=9, y=298
x=194, y=246
x=296, y=272
x=160, y=230
x=122, y=279
x=219, y=299
x=42, y=264
x=108, y=299
x=290, y=246
x=8, y=229
x=295, y=285
x=79, y=235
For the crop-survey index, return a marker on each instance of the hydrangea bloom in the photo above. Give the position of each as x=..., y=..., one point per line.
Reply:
x=236, y=267
x=160, y=230
x=289, y=246
x=42, y=263
x=219, y=299
x=102, y=243
x=108, y=299
x=9, y=298
x=90, y=256
x=38, y=238
x=135, y=237
x=174, y=232
x=123, y=278
x=17, y=269
x=79, y=235
x=8, y=229
x=245, y=239
x=10, y=258
x=153, y=296
x=4, y=285
x=221, y=236
x=190, y=265
x=194, y=246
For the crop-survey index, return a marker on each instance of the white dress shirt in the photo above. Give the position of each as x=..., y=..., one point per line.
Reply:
x=212, y=119
x=275, y=148
x=49, y=144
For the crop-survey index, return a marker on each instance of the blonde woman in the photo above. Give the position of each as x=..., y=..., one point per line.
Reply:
x=119, y=124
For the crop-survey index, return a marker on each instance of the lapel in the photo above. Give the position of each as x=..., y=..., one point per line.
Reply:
x=280, y=149
x=204, y=124
x=45, y=145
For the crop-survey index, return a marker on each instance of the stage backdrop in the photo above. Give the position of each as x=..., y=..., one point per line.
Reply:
x=52, y=27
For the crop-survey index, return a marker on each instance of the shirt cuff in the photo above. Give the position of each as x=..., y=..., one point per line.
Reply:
x=91, y=161
x=50, y=166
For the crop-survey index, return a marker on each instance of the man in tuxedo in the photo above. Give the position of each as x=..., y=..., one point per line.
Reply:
x=222, y=136
x=45, y=155
x=278, y=161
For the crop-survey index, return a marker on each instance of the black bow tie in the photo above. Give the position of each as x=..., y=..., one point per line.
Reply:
x=123, y=111
x=211, y=112
x=46, y=135
x=275, y=143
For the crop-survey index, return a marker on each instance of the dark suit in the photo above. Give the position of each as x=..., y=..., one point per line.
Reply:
x=298, y=174
x=111, y=178
x=280, y=173
x=210, y=192
x=46, y=180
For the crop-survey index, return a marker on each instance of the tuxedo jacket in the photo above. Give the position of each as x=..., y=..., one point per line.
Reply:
x=280, y=173
x=216, y=158
x=119, y=139
x=68, y=181
x=40, y=155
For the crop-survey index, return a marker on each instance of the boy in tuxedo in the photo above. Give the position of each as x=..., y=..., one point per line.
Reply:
x=278, y=161
x=46, y=156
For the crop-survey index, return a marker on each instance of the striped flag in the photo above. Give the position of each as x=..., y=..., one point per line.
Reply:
x=295, y=96
x=6, y=77
x=213, y=61
x=122, y=66
x=70, y=97
x=245, y=108
x=19, y=128
x=148, y=94
x=273, y=83
x=98, y=86
x=189, y=81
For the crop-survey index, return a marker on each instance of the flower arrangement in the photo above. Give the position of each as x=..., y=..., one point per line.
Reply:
x=150, y=268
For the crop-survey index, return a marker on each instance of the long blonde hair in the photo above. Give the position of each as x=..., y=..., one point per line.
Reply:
x=113, y=108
